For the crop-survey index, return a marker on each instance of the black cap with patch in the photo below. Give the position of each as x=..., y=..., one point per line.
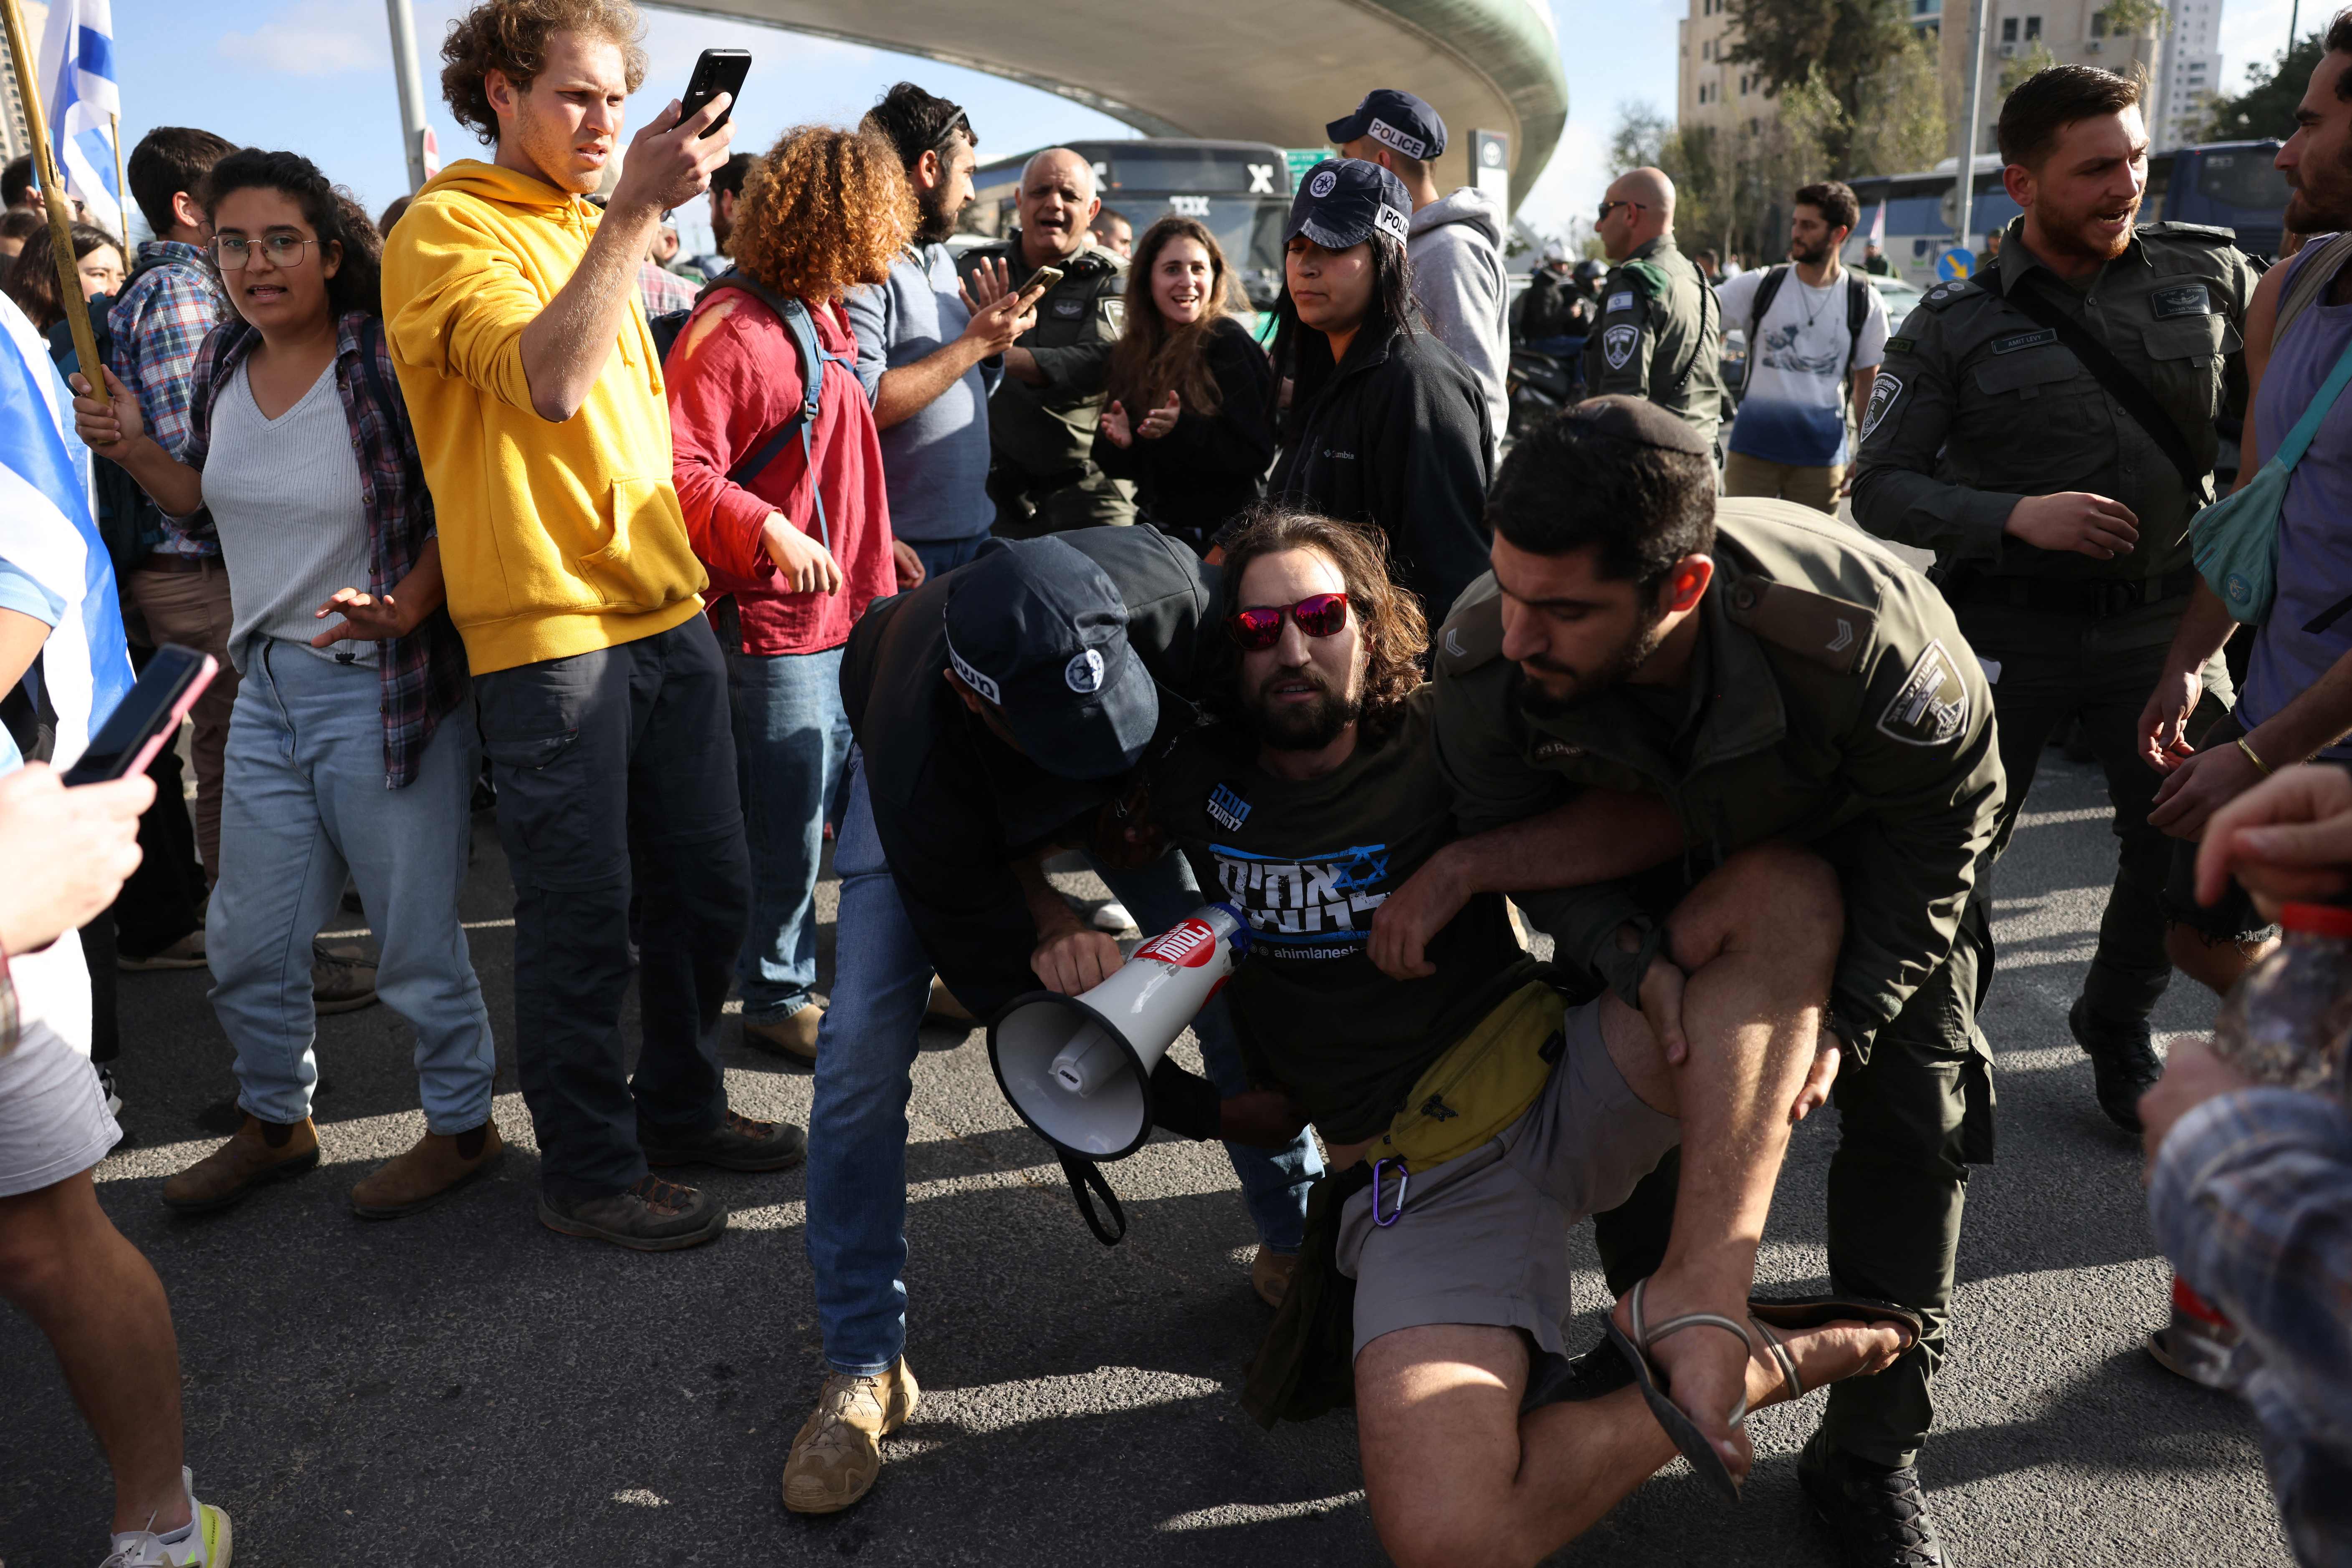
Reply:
x=1345, y=201
x=1395, y=119
x=1640, y=421
x=1039, y=631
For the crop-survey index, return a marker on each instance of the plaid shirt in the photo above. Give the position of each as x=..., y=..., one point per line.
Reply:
x=662, y=290
x=2251, y=1196
x=158, y=322
x=423, y=673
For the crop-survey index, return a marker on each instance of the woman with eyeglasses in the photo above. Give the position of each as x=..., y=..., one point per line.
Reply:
x=1387, y=425
x=352, y=747
x=1189, y=416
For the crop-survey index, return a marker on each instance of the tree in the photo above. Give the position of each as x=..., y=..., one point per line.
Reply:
x=1845, y=48
x=2031, y=63
x=2267, y=105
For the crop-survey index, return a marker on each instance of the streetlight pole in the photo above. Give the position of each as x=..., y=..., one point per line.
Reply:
x=412, y=89
x=1966, y=177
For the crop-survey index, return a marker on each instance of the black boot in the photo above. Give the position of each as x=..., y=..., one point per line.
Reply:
x=2123, y=1063
x=1879, y=1516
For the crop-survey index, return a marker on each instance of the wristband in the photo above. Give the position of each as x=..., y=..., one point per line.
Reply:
x=2260, y=766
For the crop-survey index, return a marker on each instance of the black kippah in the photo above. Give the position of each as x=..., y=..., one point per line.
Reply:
x=1640, y=421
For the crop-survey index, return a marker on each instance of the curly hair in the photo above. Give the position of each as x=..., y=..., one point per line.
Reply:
x=334, y=215
x=1153, y=358
x=824, y=211
x=1395, y=632
x=509, y=37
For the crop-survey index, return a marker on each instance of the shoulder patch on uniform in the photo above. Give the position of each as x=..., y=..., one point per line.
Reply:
x=1617, y=344
x=2016, y=341
x=1883, y=394
x=1902, y=345
x=1471, y=637
x=2181, y=299
x=1646, y=275
x=1932, y=707
x=1828, y=631
x=1114, y=312
x=1944, y=296
x=2208, y=233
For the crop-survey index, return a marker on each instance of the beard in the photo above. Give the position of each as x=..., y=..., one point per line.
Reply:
x=2070, y=232
x=2321, y=197
x=939, y=220
x=1538, y=703
x=1296, y=726
x=1809, y=256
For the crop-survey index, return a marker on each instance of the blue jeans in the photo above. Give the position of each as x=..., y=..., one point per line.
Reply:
x=939, y=555
x=303, y=801
x=792, y=742
x=864, y=1062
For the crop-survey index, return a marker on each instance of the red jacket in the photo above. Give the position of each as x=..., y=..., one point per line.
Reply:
x=733, y=378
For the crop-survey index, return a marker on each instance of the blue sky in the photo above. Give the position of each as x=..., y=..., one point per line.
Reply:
x=316, y=77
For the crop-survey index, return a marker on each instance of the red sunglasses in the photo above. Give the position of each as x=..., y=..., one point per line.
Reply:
x=1319, y=615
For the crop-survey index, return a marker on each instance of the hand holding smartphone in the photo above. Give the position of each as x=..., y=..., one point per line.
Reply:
x=147, y=717
x=715, y=71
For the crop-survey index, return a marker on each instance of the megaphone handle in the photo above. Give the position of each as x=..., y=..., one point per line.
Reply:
x=1086, y=1173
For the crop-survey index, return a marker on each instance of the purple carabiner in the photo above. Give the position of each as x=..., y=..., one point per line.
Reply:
x=1404, y=1179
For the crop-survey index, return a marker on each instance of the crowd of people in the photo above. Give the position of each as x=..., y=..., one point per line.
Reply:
x=972, y=558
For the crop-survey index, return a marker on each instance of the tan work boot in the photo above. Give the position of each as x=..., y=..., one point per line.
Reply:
x=260, y=1152
x=838, y=1453
x=438, y=1164
x=793, y=1037
x=1270, y=1273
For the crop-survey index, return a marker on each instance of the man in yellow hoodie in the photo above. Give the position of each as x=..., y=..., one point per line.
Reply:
x=537, y=397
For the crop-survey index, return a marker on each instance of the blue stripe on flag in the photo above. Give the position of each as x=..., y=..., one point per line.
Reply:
x=97, y=53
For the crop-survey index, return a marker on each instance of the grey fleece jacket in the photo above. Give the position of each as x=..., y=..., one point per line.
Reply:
x=1455, y=245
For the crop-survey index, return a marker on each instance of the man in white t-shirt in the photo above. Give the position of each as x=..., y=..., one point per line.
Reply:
x=1809, y=323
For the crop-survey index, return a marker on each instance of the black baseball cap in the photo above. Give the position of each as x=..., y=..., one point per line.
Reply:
x=1395, y=119
x=1344, y=200
x=1039, y=631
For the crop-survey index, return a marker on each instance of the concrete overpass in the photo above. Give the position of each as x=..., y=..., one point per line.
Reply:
x=1273, y=71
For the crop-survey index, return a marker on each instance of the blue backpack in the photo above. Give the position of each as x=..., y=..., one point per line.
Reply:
x=669, y=324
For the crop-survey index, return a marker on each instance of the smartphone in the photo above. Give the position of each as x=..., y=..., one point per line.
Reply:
x=717, y=71
x=1044, y=278
x=144, y=721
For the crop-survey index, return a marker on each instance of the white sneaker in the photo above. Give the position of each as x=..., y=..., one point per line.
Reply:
x=204, y=1544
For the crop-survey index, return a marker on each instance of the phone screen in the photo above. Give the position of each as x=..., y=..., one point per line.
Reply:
x=716, y=71
x=146, y=717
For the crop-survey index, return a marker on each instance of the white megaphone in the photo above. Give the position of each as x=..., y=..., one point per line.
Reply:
x=1078, y=1069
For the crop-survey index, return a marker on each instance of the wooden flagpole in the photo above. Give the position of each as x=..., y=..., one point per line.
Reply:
x=123, y=186
x=53, y=194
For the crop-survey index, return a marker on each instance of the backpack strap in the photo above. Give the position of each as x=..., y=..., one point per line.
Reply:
x=1767, y=291
x=2310, y=281
x=802, y=327
x=1857, y=314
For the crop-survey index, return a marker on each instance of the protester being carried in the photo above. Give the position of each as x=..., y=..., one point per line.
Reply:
x=791, y=519
x=1191, y=415
x=1387, y=425
x=536, y=393
x=930, y=351
x=352, y=751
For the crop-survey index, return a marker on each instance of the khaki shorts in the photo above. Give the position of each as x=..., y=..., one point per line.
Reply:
x=1484, y=1238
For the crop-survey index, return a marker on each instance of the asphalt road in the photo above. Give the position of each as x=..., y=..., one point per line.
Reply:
x=467, y=1387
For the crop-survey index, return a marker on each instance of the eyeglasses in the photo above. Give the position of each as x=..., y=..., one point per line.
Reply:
x=231, y=254
x=1608, y=206
x=1318, y=614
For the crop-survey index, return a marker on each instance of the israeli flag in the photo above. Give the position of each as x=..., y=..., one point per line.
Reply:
x=79, y=95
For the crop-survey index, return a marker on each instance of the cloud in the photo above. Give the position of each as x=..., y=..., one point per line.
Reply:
x=308, y=48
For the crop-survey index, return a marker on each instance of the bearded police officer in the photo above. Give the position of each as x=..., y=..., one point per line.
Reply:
x=997, y=709
x=2046, y=428
x=1042, y=418
x=1661, y=331
x=1812, y=689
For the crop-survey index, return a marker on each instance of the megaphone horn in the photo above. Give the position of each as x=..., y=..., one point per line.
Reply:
x=1078, y=1069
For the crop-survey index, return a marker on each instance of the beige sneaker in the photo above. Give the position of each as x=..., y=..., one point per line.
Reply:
x=838, y=1454
x=793, y=1036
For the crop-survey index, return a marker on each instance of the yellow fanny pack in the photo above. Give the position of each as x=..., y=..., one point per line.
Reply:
x=1484, y=1082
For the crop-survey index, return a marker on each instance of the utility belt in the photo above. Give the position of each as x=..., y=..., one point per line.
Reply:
x=1469, y=1096
x=2096, y=600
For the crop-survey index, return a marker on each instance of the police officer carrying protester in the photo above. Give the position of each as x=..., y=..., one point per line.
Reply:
x=1821, y=695
x=1042, y=418
x=998, y=709
x=2046, y=428
x=1661, y=331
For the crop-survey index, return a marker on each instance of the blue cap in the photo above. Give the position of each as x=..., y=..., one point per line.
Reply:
x=1397, y=121
x=1039, y=631
x=1343, y=201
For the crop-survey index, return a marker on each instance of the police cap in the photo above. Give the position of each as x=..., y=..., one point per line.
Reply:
x=1395, y=119
x=1342, y=202
x=1039, y=632
x=1639, y=421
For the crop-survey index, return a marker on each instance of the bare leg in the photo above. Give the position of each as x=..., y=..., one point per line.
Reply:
x=1757, y=939
x=99, y=1301
x=2215, y=965
x=1457, y=1476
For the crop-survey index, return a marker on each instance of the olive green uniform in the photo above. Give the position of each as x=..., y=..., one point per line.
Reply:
x=1833, y=703
x=1978, y=404
x=1041, y=473
x=1660, y=337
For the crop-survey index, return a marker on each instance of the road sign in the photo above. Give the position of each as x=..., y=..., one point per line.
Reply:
x=1302, y=159
x=1955, y=264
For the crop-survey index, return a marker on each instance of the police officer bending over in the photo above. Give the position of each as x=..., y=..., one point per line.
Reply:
x=2046, y=428
x=1042, y=419
x=1499, y=1115
x=1767, y=676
